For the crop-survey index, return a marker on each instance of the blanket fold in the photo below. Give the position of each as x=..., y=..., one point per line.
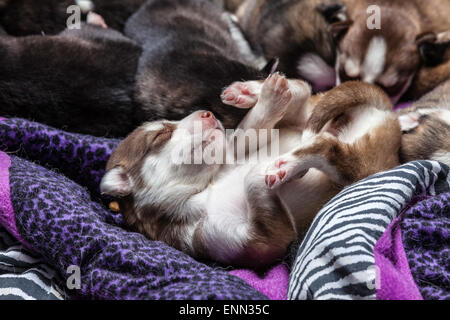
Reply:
x=50, y=201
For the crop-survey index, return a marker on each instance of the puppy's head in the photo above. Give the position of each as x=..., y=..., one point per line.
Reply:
x=161, y=158
x=388, y=57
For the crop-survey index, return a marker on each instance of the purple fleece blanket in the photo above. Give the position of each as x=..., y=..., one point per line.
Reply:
x=412, y=256
x=49, y=199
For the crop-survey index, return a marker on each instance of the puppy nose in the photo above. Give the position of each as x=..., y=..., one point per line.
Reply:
x=207, y=114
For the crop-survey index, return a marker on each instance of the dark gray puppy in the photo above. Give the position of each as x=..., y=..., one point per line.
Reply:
x=27, y=17
x=99, y=82
x=189, y=57
x=79, y=80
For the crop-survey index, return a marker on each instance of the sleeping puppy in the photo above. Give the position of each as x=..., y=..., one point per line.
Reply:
x=295, y=32
x=389, y=56
x=189, y=56
x=29, y=17
x=430, y=76
x=101, y=83
x=247, y=213
x=80, y=80
x=426, y=127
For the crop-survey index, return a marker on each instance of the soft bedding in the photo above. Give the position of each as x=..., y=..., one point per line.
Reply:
x=367, y=243
x=50, y=202
x=24, y=275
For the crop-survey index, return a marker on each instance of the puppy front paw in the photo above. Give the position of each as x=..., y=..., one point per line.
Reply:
x=240, y=95
x=276, y=94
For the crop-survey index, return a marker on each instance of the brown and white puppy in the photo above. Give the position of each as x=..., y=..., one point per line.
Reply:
x=295, y=32
x=391, y=55
x=426, y=127
x=246, y=213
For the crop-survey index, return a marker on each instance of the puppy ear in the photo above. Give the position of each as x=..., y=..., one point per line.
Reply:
x=333, y=12
x=409, y=121
x=431, y=50
x=116, y=183
x=339, y=29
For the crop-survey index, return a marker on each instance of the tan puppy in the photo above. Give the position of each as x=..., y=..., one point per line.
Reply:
x=390, y=56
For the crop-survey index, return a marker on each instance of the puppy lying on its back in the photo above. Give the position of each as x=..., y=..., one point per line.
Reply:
x=247, y=213
x=189, y=57
x=426, y=126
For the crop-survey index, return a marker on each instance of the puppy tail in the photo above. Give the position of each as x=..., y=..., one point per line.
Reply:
x=342, y=100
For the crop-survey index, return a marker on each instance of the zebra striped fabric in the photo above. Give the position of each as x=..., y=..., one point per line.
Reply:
x=335, y=260
x=23, y=275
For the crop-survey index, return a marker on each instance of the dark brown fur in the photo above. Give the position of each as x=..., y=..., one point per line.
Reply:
x=287, y=29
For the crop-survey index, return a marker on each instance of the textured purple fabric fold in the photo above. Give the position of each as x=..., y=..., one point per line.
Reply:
x=394, y=278
x=273, y=283
x=426, y=239
x=7, y=219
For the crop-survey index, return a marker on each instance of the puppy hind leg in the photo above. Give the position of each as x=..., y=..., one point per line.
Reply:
x=271, y=225
x=326, y=154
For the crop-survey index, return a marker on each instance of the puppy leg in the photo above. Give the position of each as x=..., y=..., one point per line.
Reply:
x=271, y=226
x=271, y=106
x=246, y=95
x=300, y=106
x=326, y=153
x=243, y=95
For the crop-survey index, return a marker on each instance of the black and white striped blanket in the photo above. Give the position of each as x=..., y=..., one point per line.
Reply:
x=336, y=258
x=23, y=275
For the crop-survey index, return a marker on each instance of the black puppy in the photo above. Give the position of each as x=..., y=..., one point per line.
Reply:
x=189, y=57
x=85, y=80
x=79, y=80
x=28, y=17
